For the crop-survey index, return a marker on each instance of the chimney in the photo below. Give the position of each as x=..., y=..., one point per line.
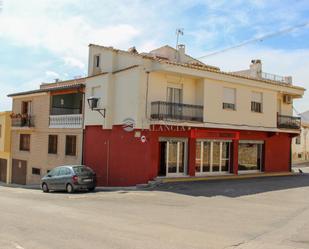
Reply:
x=181, y=52
x=256, y=68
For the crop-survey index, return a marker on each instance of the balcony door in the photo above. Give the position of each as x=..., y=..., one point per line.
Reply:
x=173, y=157
x=174, y=99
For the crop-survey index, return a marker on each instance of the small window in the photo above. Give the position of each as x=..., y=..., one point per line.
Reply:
x=70, y=145
x=298, y=140
x=97, y=61
x=256, y=102
x=299, y=155
x=229, y=98
x=52, y=144
x=24, y=142
x=36, y=171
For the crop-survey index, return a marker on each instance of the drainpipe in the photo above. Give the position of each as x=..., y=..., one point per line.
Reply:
x=83, y=129
x=147, y=90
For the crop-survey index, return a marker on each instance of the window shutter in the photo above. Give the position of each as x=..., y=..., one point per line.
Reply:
x=229, y=95
x=257, y=97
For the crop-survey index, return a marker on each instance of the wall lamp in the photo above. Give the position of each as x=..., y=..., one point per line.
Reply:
x=93, y=105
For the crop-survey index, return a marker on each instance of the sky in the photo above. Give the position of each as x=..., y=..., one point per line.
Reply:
x=41, y=40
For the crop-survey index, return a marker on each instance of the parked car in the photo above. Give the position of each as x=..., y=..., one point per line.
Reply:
x=70, y=178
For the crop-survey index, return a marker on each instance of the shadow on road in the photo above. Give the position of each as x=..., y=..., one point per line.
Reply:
x=236, y=188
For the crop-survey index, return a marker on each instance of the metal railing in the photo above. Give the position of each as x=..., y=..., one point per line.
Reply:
x=161, y=110
x=288, y=122
x=274, y=77
x=23, y=121
x=65, y=110
x=66, y=121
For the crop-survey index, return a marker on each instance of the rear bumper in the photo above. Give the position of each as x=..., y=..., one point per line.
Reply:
x=84, y=186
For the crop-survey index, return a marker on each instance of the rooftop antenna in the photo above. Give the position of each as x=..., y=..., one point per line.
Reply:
x=178, y=32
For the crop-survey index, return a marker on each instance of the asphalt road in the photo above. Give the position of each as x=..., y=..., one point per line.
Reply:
x=257, y=213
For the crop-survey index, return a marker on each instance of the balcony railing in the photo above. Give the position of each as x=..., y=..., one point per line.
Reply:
x=161, y=110
x=288, y=122
x=23, y=121
x=274, y=77
x=66, y=121
x=64, y=110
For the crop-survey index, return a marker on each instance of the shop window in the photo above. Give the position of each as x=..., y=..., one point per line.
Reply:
x=250, y=155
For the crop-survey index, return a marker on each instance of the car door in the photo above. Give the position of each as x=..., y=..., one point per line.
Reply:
x=59, y=179
x=51, y=178
x=64, y=178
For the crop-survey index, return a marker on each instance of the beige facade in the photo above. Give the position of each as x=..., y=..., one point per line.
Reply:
x=127, y=84
x=300, y=145
x=5, y=146
x=44, y=123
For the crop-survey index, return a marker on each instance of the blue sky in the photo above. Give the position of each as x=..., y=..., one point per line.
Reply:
x=44, y=40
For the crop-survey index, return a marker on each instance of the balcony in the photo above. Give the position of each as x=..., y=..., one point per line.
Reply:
x=161, y=110
x=24, y=121
x=274, y=77
x=288, y=122
x=74, y=121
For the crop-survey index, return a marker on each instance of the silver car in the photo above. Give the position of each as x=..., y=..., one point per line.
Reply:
x=69, y=178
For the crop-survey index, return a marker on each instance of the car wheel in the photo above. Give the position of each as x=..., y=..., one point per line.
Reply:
x=69, y=188
x=91, y=189
x=45, y=188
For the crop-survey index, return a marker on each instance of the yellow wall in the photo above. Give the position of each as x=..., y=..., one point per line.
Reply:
x=5, y=140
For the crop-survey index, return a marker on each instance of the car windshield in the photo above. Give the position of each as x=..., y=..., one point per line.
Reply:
x=81, y=170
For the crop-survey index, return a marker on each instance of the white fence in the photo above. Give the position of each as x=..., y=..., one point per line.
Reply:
x=66, y=121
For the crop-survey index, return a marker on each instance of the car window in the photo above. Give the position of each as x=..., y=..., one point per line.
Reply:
x=63, y=171
x=67, y=171
x=54, y=172
x=81, y=170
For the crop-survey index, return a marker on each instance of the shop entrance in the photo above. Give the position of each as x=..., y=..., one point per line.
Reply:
x=173, y=157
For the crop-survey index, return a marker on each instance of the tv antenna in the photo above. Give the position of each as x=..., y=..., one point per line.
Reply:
x=178, y=32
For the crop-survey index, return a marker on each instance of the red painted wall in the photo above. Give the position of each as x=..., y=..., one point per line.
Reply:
x=120, y=159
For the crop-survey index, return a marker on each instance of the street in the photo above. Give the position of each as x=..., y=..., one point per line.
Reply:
x=254, y=213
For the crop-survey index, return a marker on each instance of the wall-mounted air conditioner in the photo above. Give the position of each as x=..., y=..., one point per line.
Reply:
x=287, y=99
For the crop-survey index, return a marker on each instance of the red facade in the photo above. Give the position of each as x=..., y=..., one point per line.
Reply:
x=120, y=158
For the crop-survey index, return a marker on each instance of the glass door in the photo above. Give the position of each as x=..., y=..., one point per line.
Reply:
x=175, y=157
x=212, y=157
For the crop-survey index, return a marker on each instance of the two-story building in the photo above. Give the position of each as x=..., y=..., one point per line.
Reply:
x=166, y=114
x=47, y=129
x=5, y=146
x=300, y=144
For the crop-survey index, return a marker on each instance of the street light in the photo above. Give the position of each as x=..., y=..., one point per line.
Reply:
x=93, y=105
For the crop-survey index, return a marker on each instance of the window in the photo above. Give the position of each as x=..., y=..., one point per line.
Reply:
x=70, y=145
x=64, y=171
x=174, y=95
x=256, y=102
x=229, y=98
x=24, y=142
x=36, y=171
x=97, y=60
x=250, y=155
x=52, y=144
x=298, y=140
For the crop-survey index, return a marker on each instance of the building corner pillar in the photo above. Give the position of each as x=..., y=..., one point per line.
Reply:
x=235, y=157
x=192, y=154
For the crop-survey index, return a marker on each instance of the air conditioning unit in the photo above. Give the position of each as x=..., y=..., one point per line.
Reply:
x=287, y=99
